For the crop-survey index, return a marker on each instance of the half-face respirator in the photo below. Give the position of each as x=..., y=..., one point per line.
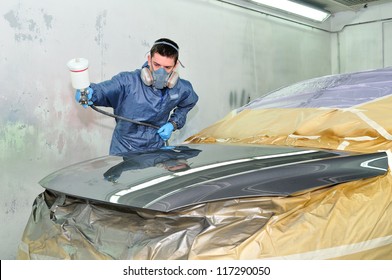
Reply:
x=159, y=78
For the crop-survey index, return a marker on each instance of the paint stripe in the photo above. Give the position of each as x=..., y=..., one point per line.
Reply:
x=214, y=165
x=115, y=197
x=79, y=70
x=366, y=164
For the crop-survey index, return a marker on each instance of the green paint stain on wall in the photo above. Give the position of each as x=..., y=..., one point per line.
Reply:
x=16, y=138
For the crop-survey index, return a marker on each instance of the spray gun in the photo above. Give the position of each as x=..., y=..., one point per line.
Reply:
x=78, y=68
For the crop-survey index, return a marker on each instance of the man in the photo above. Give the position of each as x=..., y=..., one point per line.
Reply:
x=154, y=94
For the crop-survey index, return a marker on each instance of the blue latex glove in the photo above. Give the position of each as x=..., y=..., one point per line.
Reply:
x=165, y=131
x=87, y=98
x=168, y=147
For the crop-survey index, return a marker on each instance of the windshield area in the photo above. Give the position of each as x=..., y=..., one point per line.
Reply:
x=335, y=91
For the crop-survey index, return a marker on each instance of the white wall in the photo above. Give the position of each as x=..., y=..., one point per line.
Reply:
x=230, y=54
x=362, y=40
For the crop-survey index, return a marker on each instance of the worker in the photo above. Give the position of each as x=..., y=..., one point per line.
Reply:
x=153, y=94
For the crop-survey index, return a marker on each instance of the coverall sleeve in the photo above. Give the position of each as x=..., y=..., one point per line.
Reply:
x=187, y=103
x=109, y=93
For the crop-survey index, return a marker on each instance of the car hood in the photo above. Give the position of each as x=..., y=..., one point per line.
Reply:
x=176, y=177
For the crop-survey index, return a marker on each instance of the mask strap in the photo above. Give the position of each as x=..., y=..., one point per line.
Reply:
x=166, y=43
x=182, y=65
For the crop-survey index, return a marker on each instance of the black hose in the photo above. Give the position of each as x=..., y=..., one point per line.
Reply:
x=125, y=119
x=122, y=118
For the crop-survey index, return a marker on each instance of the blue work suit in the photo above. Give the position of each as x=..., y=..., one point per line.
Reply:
x=131, y=98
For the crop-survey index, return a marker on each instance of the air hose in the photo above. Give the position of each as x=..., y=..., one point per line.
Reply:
x=125, y=119
x=122, y=118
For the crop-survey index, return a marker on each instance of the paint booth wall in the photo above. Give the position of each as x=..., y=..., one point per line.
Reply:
x=230, y=55
x=362, y=40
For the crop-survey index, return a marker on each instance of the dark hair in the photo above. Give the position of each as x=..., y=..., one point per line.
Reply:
x=165, y=47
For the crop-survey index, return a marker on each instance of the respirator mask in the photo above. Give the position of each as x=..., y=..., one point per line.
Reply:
x=160, y=78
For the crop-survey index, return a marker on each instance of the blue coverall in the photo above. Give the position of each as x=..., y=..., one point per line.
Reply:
x=131, y=98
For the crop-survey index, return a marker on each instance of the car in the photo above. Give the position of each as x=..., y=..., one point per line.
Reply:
x=279, y=178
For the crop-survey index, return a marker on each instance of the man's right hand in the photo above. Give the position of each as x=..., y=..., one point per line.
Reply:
x=84, y=98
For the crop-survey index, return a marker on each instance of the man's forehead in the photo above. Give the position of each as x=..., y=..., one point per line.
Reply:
x=162, y=60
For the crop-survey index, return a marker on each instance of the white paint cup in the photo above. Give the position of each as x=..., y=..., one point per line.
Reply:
x=79, y=73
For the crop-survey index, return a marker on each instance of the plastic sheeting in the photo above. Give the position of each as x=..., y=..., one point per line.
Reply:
x=346, y=221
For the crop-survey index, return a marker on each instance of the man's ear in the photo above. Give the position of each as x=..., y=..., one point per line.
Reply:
x=149, y=61
x=176, y=66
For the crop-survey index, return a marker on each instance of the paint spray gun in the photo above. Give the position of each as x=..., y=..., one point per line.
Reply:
x=78, y=68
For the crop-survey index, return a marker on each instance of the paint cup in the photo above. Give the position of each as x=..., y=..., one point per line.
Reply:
x=78, y=68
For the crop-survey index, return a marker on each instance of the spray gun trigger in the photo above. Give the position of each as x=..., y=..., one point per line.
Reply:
x=83, y=97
